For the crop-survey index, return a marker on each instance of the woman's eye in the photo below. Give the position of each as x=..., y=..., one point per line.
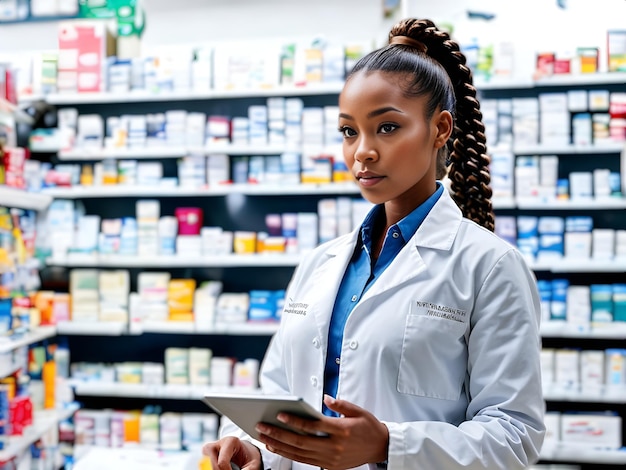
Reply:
x=387, y=128
x=347, y=131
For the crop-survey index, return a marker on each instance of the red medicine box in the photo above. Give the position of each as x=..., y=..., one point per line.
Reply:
x=84, y=48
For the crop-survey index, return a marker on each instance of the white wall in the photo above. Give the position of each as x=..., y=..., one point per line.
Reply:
x=172, y=22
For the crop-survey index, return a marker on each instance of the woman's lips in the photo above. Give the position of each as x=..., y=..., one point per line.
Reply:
x=369, y=181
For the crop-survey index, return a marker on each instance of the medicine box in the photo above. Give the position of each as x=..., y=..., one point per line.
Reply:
x=84, y=47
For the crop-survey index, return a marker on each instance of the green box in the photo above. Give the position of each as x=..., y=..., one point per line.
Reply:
x=129, y=14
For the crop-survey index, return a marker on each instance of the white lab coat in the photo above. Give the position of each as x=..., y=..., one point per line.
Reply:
x=443, y=348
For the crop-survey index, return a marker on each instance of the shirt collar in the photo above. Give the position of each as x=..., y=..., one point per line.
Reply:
x=407, y=226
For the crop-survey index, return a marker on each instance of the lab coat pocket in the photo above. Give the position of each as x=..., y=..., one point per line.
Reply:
x=434, y=357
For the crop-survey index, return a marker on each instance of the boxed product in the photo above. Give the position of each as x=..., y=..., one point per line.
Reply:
x=616, y=50
x=84, y=48
x=594, y=430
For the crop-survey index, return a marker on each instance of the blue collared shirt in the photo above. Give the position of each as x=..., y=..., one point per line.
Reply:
x=361, y=273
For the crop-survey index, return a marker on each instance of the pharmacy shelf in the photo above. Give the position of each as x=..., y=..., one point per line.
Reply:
x=88, y=328
x=246, y=329
x=165, y=327
x=146, y=96
x=495, y=83
x=164, y=151
x=9, y=343
x=558, y=80
x=222, y=261
x=581, y=453
x=190, y=328
x=21, y=199
x=612, y=147
x=606, y=78
x=135, y=457
x=564, y=265
x=139, y=390
x=288, y=260
x=616, y=396
x=119, y=191
x=43, y=422
x=604, y=203
x=8, y=369
x=122, y=153
x=503, y=202
x=19, y=115
x=561, y=329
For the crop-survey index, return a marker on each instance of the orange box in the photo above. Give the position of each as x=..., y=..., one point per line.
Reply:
x=44, y=302
x=131, y=427
x=48, y=374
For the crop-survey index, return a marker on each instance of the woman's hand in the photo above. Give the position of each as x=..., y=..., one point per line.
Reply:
x=352, y=440
x=231, y=449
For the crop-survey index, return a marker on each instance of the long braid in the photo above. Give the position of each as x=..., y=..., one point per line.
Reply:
x=469, y=163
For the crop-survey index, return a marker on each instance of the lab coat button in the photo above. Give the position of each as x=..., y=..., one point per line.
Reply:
x=316, y=343
x=354, y=344
x=314, y=381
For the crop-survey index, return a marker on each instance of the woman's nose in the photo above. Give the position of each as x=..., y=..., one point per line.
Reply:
x=365, y=152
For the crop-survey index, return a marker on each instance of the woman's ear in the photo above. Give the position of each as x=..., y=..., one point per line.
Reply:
x=444, y=124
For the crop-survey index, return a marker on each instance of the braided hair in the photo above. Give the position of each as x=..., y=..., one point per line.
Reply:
x=439, y=71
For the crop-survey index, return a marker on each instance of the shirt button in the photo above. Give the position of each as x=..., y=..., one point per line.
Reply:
x=314, y=381
x=316, y=343
x=395, y=235
x=354, y=344
x=354, y=297
x=337, y=360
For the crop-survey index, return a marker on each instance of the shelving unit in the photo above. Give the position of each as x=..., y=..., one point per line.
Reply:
x=21, y=199
x=19, y=115
x=7, y=369
x=582, y=454
x=614, y=147
x=43, y=422
x=555, y=329
x=119, y=191
x=38, y=334
x=558, y=80
x=165, y=152
x=286, y=262
x=77, y=328
x=137, y=458
x=560, y=334
x=109, y=328
x=221, y=261
x=235, y=329
x=166, y=391
x=146, y=97
x=562, y=265
x=617, y=396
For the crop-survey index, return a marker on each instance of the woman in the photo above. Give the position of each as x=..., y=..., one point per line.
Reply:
x=417, y=334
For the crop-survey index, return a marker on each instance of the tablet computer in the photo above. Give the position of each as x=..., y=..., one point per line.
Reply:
x=246, y=410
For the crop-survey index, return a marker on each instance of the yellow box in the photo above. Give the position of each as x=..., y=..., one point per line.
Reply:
x=244, y=242
x=180, y=294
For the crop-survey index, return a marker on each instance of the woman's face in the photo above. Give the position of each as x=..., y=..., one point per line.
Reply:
x=389, y=145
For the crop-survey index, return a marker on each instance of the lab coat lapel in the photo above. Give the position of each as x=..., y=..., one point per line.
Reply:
x=438, y=232
x=327, y=278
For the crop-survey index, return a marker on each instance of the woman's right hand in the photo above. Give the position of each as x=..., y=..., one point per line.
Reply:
x=231, y=449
